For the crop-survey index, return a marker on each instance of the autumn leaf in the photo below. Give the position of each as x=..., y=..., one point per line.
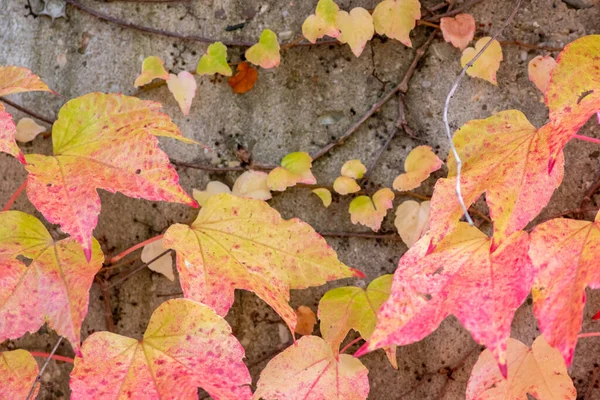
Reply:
x=351, y=307
x=306, y=320
x=237, y=243
x=539, y=372
x=186, y=345
x=324, y=195
x=163, y=265
x=539, y=69
x=564, y=253
x=345, y=185
x=212, y=188
x=353, y=169
x=295, y=168
x=244, y=78
x=371, y=211
x=486, y=66
x=266, y=52
x=214, y=61
x=461, y=277
x=506, y=158
x=419, y=164
x=573, y=94
x=15, y=80
x=252, y=185
x=396, y=18
x=412, y=221
x=152, y=68
x=102, y=142
x=52, y=288
x=27, y=130
x=322, y=22
x=356, y=28
x=18, y=371
x=309, y=369
x=459, y=30
x=183, y=87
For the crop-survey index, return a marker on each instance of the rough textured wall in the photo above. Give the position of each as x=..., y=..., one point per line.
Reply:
x=312, y=98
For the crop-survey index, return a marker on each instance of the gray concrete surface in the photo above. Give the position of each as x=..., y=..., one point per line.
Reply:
x=282, y=114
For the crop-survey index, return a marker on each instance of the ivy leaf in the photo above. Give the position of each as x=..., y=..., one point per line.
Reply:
x=322, y=22
x=353, y=169
x=239, y=243
x=15, y=80
x=459, y=30
x=370, y=212
x=324, y=195
x=539, y=69
x=396, y=18
x=266, y=52
x=18, y=371
x=539, y=372
x=152, y=68
x=186, y=345
x=564, y=253
x=309, y=369
x=461, y=277
x=356, y=28
x=27, y=130
x=505, y=157
x=252, y=185
x=212, y=188
x=295, y=168
x=412, y=221
x=214, y=61
x=107, y=142
x=163, y=265
x=573, y=94
x=487, y=64
x=351, y=307
x=244, y=78
x=53, y=288
x=183, y=87
x=344, y=185
x=419, y=164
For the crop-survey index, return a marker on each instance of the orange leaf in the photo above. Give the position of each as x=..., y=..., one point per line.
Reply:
x=461, y=277
x=539, y=372
x=565, y=256
x=53, y=288
x=309, y=369
x=306, y=320
x=458, y=30
x=18, y=371
x=506, y=158
x=244, y=78
x=107, y=142
x=186, y=345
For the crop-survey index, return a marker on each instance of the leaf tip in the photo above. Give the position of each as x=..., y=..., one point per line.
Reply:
x=364, y=349
x=359, y=274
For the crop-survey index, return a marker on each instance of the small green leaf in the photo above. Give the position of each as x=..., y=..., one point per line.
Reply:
x=214, y=61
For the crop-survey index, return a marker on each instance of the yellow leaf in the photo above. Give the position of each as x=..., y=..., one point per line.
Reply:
x=396, y=18
x=322, y=22
x=164, y=265
x=487, y=64
x=18, y=373
x=356, y=28
x=252, y=185
x=152, y=68
x=213, y=188
x=324, y=195
x=370, y=212
x=419, y=164
x=344, y=185
x=458, y=30
x=306, y=320
x=266, y=52
x=183, y=87
x=295, y=168
x=27, y=130
x=237, y=243
x=539, y=70
x=353, y=169
x=412, y=221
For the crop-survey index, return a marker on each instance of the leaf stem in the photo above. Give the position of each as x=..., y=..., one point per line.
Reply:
x=53, y=356
x=39, y=376
x=589, y=334
x=587, y=139
x=130, y=250
x=15, y=196
x=352, y=343
x=138, y=269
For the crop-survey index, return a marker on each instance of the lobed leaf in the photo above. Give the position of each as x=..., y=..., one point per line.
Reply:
x=459, y=30
x=356, y=28
x=266, y=52
x=539, y=372
x=322, y=22
x=371, y=212
x=419, y=164
x=214, y=61
x=186, y=346
x=18, y=372
x=309, y=369
x=152, y=68
x=239, y=243
x=102, y=142
x=295, y=168
x=52, y=288
x=486, y=66
x=463, y=277
x=396, y=18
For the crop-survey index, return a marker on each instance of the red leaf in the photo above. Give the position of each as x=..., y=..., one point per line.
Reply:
x=244, y=78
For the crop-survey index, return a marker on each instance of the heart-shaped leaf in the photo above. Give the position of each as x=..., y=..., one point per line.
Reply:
x=266, y=52
x=214, y=61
